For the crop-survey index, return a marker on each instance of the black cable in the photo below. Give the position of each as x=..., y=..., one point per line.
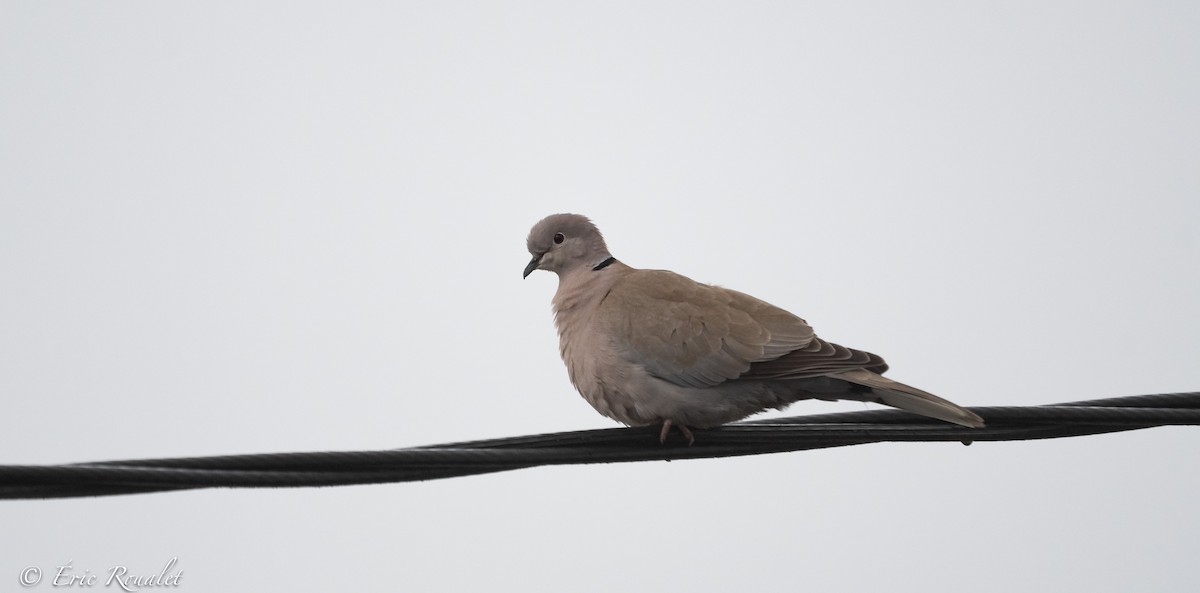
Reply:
x=618, y=445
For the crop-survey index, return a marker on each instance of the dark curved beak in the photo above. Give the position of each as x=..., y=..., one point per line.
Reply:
x=533, y=264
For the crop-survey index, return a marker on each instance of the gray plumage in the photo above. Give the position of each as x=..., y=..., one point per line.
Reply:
x=653, y=347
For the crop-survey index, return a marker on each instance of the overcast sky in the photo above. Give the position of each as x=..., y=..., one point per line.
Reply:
x=261, y=227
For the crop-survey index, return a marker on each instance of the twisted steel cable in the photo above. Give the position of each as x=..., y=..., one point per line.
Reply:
x=616, y=445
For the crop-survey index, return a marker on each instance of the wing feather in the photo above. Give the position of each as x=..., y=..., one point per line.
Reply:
x=695, y=334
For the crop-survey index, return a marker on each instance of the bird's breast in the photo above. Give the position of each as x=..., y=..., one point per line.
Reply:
x=597, y=372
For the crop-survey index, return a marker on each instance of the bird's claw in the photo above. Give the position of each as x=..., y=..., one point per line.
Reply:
x=666, y=429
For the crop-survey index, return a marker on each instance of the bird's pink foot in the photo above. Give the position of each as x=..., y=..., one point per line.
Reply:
x=666, y=429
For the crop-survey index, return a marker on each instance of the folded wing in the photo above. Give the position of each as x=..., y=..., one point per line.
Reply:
x=698, y=335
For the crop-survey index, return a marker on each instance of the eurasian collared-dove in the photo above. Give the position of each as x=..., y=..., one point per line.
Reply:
x=647, y=347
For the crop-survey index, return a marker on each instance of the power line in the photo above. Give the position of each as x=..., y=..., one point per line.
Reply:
x=617, y=445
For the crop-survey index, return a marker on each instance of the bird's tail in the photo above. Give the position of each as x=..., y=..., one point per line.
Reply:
x=898, y=395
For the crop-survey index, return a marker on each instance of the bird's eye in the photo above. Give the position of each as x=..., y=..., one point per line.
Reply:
x=559, y=238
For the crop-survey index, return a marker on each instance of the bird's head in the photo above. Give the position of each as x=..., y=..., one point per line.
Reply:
x=561, y=243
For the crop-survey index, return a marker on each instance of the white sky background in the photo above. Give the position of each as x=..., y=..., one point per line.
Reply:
x=230, y=228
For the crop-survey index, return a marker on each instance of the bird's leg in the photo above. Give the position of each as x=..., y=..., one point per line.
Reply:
x=666, y=429
x=687, y=433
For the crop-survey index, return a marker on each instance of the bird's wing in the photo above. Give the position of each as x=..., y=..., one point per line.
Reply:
x=816, y=359
x=694, y=334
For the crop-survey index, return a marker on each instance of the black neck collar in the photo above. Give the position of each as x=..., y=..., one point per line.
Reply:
x=604, y=264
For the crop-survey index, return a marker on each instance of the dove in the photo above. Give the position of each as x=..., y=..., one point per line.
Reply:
x=652, y=347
